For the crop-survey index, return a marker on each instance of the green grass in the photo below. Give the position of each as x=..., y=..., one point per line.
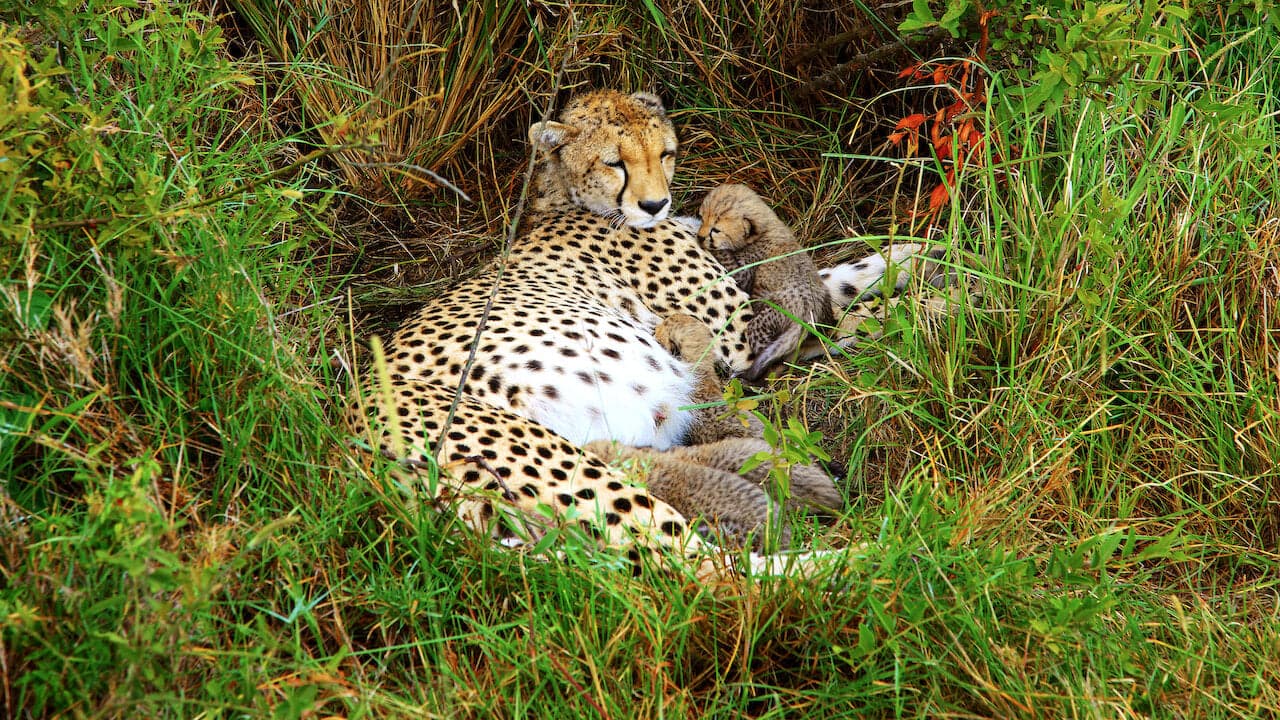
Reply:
x=1068, y=489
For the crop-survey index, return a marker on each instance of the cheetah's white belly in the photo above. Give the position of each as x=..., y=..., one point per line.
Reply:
x=604, y=379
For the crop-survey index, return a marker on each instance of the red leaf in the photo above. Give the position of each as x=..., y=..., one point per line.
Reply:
x=985, y=41
x=939, y=197
x=975, y=149
x=910, y=122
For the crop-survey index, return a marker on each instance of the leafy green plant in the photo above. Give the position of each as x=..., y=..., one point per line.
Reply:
x=1083, y=47
x=791, y=444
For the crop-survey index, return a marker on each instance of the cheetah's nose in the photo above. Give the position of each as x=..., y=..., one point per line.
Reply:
x=653, y=207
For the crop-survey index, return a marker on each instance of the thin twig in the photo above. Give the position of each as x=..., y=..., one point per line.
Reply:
x=506, y=249
x=578, y=686
x=838, y=76
x=827, y=45
x=403, y=166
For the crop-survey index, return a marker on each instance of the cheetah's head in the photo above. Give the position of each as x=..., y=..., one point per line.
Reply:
x=613, y=154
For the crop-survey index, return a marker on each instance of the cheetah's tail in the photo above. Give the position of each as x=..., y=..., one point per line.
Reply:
x=782, y=346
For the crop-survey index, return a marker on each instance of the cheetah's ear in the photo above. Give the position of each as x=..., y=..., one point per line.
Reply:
x=650, y=101
x=550, y=135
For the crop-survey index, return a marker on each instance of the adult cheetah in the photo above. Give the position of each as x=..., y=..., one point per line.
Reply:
x=490, y=390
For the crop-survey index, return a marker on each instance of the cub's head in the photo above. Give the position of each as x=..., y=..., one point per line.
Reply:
x=732, y=215
x=611, y=153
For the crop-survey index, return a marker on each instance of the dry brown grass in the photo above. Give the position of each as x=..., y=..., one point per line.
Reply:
x=450, y=91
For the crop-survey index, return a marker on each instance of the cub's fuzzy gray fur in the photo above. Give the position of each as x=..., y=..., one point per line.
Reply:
x=747, y=237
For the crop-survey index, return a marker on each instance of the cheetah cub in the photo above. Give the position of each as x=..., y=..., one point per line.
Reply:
x=749, y=239
x=729, y=506
x=809, y=486
x=689, y=339
x=726, y=441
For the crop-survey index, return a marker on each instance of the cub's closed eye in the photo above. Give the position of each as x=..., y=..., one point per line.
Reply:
x=668, y=154
x=613, y=163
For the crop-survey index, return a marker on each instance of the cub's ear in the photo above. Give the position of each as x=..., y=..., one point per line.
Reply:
x=550, y=135
x=650, y=101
